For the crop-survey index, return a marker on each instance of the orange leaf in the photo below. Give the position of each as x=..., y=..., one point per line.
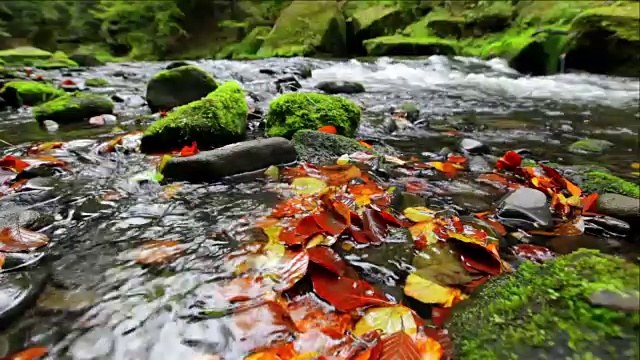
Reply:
x=345, y=294
x=304, y=229
x=331, y=222
x=13, y=163
x=338, y=175
x=13, y=239
x=365, y=144
x=157, y=252
x=510, y=161
x=189, y=150
x=247, y=288
x=2, y=257
x=399, y=346
x=429, y=348
x=261, y=325
x=329, y=129
x=33, y=353
x=310, y=314
x=573, y=189
x=448, y=169
x=588, y=202
x=45, y=146
x=458, y=159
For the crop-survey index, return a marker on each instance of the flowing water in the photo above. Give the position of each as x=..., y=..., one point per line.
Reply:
x=127, y=311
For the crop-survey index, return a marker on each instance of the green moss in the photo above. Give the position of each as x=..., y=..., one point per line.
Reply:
x=318, y=147
x=307, y=27
x=623, y=20
x=59, y=55
x=18, y=93
x=249, y=46
x=602, y=182
x=218, y=119
x=542, y=311
x=55, y=63
x=24, y=55
x=297, y=111
x=178, y=86
x=379, y=20
x=97, y=82
x=401, y=45
x=72, y=108
x=590, y=146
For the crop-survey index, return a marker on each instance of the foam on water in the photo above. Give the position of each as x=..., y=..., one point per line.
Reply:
x=466, y=76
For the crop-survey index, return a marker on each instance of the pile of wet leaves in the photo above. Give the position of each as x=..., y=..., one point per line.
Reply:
x=293, y=292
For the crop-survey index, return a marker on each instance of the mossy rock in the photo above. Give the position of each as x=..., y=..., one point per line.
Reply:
x=24, y=55
x=18, y=93
x=85, y=59
x=73, y=108
x=97, y=82
x=249, y=45
x=218, y=119
x=306, y=28
x=602, y=182
x=606, y=40
x=409, y=46
x=378, y=20
x=318, y=147
x=546, y=312
x=55, y=63
x=590, y=146
x=178, y=86
x=309, y=111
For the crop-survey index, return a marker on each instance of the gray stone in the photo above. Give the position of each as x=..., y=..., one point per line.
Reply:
x=525, y=208
x=287, y=83
x=18, y=290
x=319, y=147
x=340, y=87
x=473, y=147
x=607, y=225
x=471, y=202
x=478, y=164
x=230, y=160
x=50, y=125
x=28, y=219
x=135, y=101
x=617, y=301
x=618, y=206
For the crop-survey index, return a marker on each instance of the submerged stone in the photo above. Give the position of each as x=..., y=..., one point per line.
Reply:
x=408, y=46
x=18, y=291
x=525, y=208
x=543, y=311
x=319, y=147
x=231, y=160
x=340, y=87
x=309, y=111
x=72, y=108
x=29, y=219
x=178, y=86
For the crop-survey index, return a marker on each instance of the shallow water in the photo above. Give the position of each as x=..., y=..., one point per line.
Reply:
x=141, y=313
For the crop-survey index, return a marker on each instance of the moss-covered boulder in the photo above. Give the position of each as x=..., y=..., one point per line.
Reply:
x=378, y=20
x=602, y=182
x=249, y=45
x=590, y=146
x=309, y=111
x=86, y=59
x=606, y=40
x=218, y=119
x=178, y=86
x=554, y=310
x=319, y=147
x=18, y=93
x=409, y=46
x=24, y=55
x=306, y=28
x=73, y=108
x=97, y=82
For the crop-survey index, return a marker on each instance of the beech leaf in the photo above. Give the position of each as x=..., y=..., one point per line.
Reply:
x=328, y=259
x=399, y=346
x=14, y=239
x=429, y=292
x=388, y=320
x=308, y=186
x=346, y=294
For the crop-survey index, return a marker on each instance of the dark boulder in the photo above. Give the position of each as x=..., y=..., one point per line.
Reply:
x=340, y=87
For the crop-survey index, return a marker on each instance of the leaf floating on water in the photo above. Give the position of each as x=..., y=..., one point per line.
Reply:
x=328, y=259
x=294, y=267
x=308, y=186
x=346, y=294
x=429, y=292
x=14, y=239
x=588, y=202
x=419, y=214
x=429, y=348
x=158, y=252
x=44, y=147
x=33, y=353
x=388, y=320
x=399, y=346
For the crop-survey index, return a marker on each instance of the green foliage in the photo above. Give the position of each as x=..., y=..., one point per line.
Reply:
x=602, y=182
x=297, y=111
x=30, y=93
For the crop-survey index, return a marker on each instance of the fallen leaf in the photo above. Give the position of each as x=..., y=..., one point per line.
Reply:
x=429, y=348
x=388, y=320
x=365, y=144
x=158, y=252
x=2, y=257
x=329, y=129
x=399, y=346
x=588, y=202
x=33, y=353
x=457, y=159
x=170, y=191
x=574, y=227
x=261, y=325
x=14, y=239
x=308, y=186
x=328, y=259
x=293, y=267
x=44, y=147
x=13, y=163
x=510, y=161
x=480, y=258
x=338, y=175
x=345, y=294
x=419, y=214
x=429, y=292
x=533, y=253
x=247, y=288
x=189, y=150
x=448, y=169
x=331, y=221
x=310, y=314
x=573, y=189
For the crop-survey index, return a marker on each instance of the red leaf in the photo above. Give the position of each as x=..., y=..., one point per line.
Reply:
x=588, y=202
x=558, y=180
x=328, y=259
x=470, y=286
x=498, y=227
x=510, y=161
x=158, y=252
x=68, y=82
x=456, y=159
x=331, y=222
x=189, y=150
x=534, y=253
x=304, y=229
x=14, y=239
x=573, y=189
x=399, y=346
x=329, y=129
x=375, y=226
x=13, y=163
x=33, y=353
x=346, y=294
x=439, y=315
x=479, y=258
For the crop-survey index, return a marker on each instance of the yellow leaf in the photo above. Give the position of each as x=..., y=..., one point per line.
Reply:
x=308, y=186
x=467, y=239
x=170, y=191
x=344, y=159
x=363, y=200
x=424, y=230
x=635, y=165
x=273, y=233
x=429, y=292
x=419, y=214
x=320, y=239
x=388, y=319
x=307, y=356
x=163, y=162
x=394, y=160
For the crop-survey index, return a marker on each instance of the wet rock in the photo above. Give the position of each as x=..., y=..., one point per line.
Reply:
x=102, y=120
x=340, y=87
x=567, y=244
x=135, y=101
x=389, y=125
x=83, y=59
x=471, y=202
x=118, y=98
x=590, y=146
x=3, y=103
x=267, y=71
x=608, y=225
x=287, y=84
x=409, y=110
x=525, y=208
x=319, y=147
x=291, y=112
x=619, y=206
x=50, y=125
x=402, y=200
x=18, y=93
x=178, y=86
x=477, y=164
x=176, y=64
x=72, y=108
x=18, y=291
x=28, y=219
x=519, y=317
x=301, y=71
x=61, y=300
x=94, y=344
x=231, y=160
x=473, y=147
x=628, y=301
x=218, y=119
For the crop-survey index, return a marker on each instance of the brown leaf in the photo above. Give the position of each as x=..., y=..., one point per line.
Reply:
x=346, y=294
x=328, y=259
x=13, y=239
x=157, y=252
x=399, y=346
